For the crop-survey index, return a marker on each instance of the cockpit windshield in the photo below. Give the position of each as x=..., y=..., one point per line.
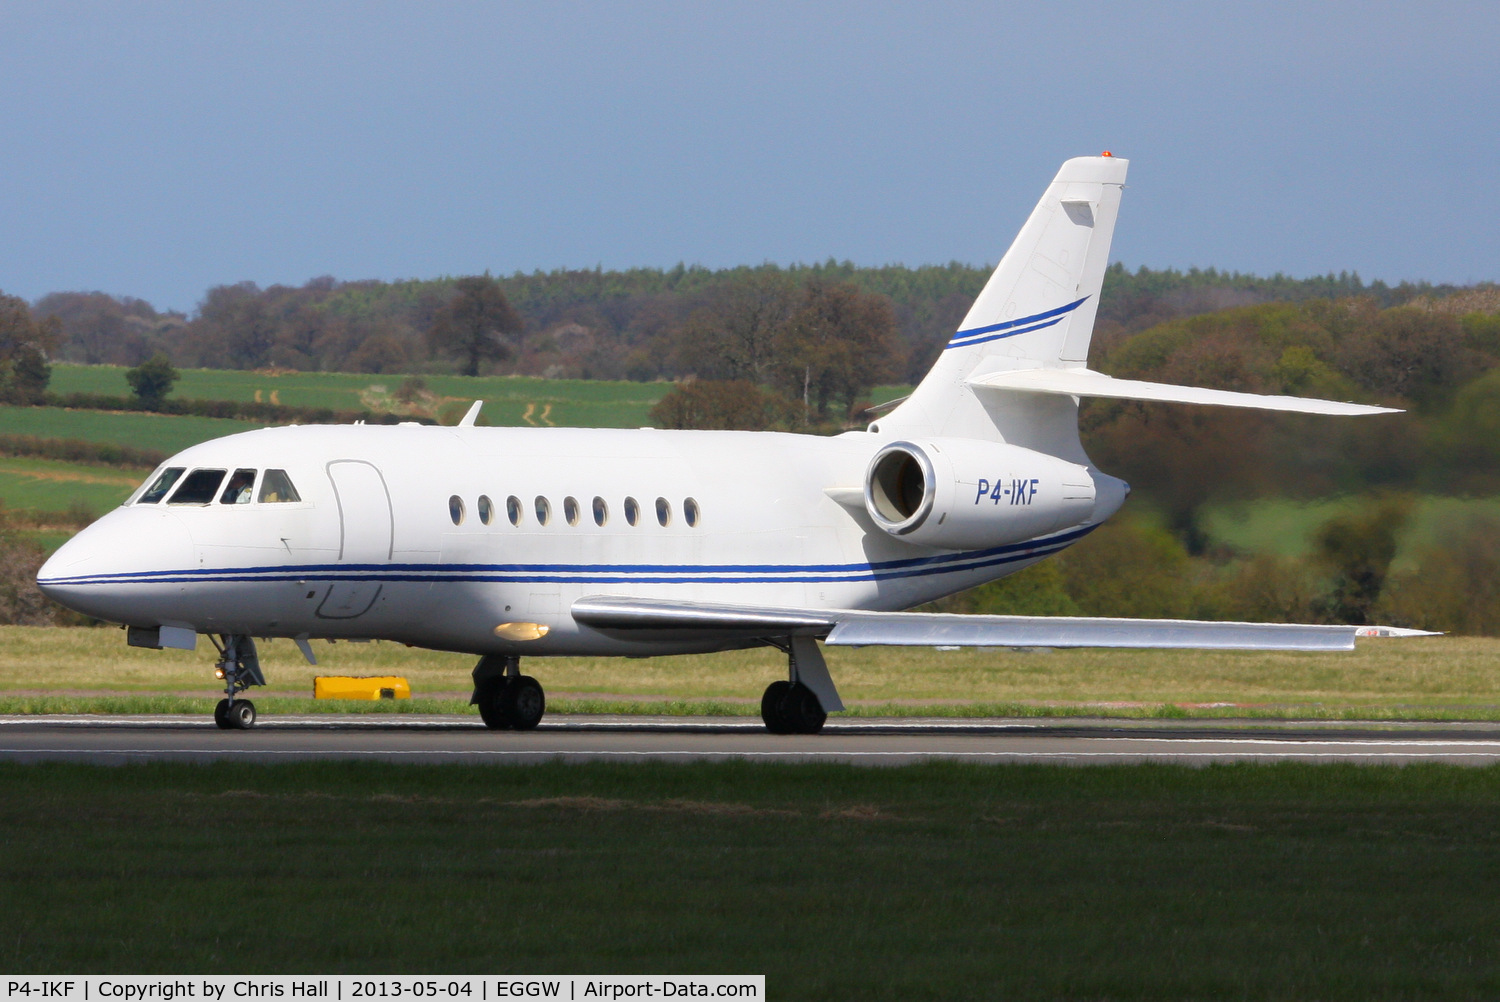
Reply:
x=198, y=487
x=276, y=486
x=201, y=486
x=161, y=485
x=238, y=489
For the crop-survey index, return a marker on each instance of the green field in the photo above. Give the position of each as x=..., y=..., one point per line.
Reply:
x=163, y=432
x=938, y=881
x=49, y=485
x=1435, y=678
x=509, y=400
x=1285, y=527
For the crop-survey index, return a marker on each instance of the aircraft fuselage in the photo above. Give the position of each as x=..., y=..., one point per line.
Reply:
x=435, y=536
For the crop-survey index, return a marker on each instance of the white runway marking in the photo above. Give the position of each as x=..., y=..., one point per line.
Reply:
x=869, y=741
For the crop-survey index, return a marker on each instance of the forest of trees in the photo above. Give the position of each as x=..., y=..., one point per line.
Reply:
x=771, y=347
x=636, y=324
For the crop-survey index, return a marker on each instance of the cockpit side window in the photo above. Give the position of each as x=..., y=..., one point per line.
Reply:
x=161, y=485
x=198, y=487
x=276, y=486
x=238, y=488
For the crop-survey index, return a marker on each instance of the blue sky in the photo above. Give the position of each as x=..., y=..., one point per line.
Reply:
x=158, y=149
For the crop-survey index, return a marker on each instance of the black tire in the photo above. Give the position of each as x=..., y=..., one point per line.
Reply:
x=803, y=712
x=773, y=707
x=490, y=709
x=221, y=715
x=241, y=714
x=523, y=703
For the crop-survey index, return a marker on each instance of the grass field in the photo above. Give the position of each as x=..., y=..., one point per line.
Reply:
x=1285, y=527
x=50, y=485
x=164, y=432
x=509, y=400
x=41, y=669
x=939, y=881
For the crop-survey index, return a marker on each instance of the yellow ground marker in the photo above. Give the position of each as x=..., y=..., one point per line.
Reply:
x=361, y=687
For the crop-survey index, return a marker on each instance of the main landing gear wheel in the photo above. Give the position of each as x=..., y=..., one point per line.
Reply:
x=791, y=708
x=507, y=700
x=523, y=703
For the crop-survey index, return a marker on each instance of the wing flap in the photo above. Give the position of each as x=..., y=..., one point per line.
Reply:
x=1088, y=383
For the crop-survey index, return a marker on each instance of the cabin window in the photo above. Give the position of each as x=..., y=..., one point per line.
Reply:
x=570, y=510
x=601, y=511
x=486, y=509
x=276, y=488
x=456, y=509
x=161, y=485
x=513, y=509
x=690, y=511
x=632, y=511
x=663, y=512
x=198, y=487
x=238, y=489
x=543, y=510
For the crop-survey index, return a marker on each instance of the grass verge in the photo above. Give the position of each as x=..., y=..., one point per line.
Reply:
x=1452, y=678
x=933, y=881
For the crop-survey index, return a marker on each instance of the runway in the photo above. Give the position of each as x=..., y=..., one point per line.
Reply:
x=115, y=740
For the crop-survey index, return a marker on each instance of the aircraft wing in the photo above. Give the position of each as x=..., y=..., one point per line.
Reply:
x=858, y=628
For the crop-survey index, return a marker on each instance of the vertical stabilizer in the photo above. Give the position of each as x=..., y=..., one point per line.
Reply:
x=1036, y=312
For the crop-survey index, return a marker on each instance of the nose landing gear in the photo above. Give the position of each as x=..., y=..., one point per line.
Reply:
x=239, y=667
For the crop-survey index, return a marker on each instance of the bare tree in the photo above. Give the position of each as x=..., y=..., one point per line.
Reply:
x=476, y=324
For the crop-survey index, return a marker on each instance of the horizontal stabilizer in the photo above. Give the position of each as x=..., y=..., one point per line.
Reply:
x=1088, y=383
x=855, y=628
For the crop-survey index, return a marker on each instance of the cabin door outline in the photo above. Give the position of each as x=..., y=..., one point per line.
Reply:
x=366, y=535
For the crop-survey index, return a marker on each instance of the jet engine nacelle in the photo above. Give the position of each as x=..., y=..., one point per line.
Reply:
x=964, y=494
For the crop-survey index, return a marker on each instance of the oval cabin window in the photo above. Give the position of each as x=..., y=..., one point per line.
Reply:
x=456, y=509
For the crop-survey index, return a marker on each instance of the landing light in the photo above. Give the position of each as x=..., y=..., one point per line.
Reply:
x=218, y=673
x=522, y=631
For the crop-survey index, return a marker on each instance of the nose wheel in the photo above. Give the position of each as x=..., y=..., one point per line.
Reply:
x=236, y=716
x=239, y=667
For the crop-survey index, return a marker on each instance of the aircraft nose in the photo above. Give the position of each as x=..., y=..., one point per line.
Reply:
x=104, y=570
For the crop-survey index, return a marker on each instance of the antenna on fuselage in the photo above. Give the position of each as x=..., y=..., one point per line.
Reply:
x=472, y=416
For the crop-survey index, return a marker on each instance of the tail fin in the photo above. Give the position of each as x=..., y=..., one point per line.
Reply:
x=1036, y=312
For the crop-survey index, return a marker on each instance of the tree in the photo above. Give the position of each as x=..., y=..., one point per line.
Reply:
x=732, y=405
x=152, y=380
x=475, y=324
x=24, y=347
x=1357, y=548
x=839, y=343
x=734, y=336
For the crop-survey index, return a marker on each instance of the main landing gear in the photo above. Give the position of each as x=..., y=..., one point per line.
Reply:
x=507, y=700
x=239, y=667
x=800, y=703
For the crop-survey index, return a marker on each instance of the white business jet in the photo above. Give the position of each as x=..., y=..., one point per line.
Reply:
x=508, y=542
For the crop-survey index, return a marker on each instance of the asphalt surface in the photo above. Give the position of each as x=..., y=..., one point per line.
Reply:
x=410, y=738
